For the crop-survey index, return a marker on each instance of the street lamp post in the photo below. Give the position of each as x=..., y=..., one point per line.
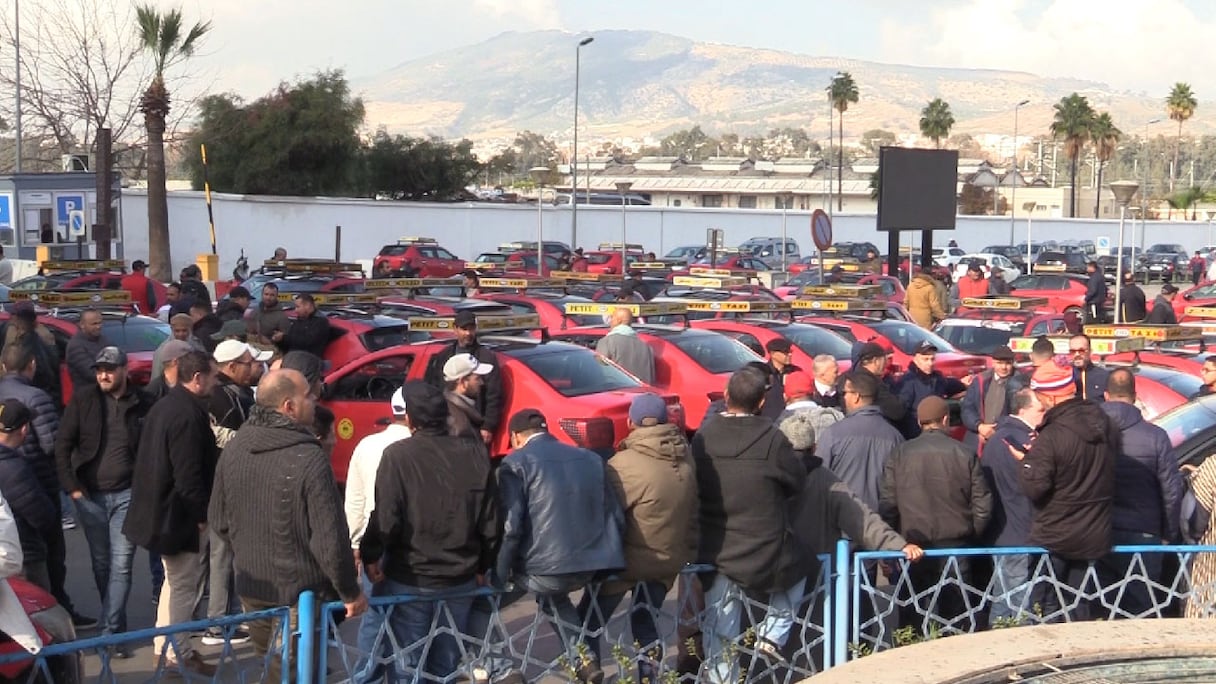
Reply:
x=1124, y=191
x=1013, y=189
x=1029, y=208
x=787, y=198
x=578, y=52
x=623, y=188
x=1144, y=192
x=539, y=174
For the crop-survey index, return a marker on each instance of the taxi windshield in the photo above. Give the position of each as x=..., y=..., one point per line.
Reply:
x=715, y=353
x=575, y=371
x=814, y=341
x=908, y=336
x=1187, y=420
x=975, y=339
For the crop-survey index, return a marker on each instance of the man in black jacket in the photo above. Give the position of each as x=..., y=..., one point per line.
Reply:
x=489, y=399
x=934, y=494
x=923, y=380
x=464, y=376
x=430, y=476
x=170, y=490
x=1131, y=300
x=309, y=331
x=1095, y=294
x=95, y=451
x=276, y=504
x=1069, y=476
x=233, y=308
x=780, y=354
x=193, y=287
x=1089, y=381
x=871, y=358
x=23, y=329
x=748, y=478
x=35, y=513
x=1163, y=307
x=84, y=347
x=205, y=324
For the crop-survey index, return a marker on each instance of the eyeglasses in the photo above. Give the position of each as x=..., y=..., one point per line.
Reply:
x=1078, y=351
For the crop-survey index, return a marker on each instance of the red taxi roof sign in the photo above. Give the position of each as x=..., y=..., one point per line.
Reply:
x=829, y=304
x=637, y=309
x=484, y=322
x=846, y=291
x=1004, y=303
x=1151, y=333
x=1100, y=346
x=106, y=265
x=700, y=281
x=345, y=298
x=519, y=283
x=737, y=307
x=56, y=298
x=408, y=283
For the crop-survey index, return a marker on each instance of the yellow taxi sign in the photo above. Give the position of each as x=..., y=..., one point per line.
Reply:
x=854, y=291
x=585, y=277
x=345, y=298
x=650, y=265
x=698, y=281
x=1048, y=268
x=412, y=240
x=637, y=309
x=76, y=298
x=481, y=265
x=616, y=247
x=311, y=266
x=408, y=283
x=1004, y=303
x=484, y=322
x=1151, y=333
x=738, y=307
x=1200, y=311
x=1100, y=347
x=83, y=265
x=838, y=305
x=519, y=283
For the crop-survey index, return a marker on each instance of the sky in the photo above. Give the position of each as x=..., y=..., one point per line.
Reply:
x=1140, y=46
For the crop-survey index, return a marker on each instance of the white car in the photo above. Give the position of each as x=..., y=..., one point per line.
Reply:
x=988, y=262
x=949, y=256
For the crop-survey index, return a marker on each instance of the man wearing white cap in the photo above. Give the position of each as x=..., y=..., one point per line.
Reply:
x=360, y=502
x=463, y=379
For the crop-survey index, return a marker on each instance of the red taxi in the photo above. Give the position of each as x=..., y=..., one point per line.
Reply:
x=1202, y=295
x=892, y=289
x=611, y=258
x=982, y=324
x=544, y=297
x=746, y=264
x=714, y=286
x=691, y=364
x=423, y=254
x=585, y=398
x=807, y=341
x=86, y=274
x=525, y=263
x=1064, y=292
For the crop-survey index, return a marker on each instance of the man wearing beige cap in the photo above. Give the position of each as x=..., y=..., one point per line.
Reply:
x=934, y=493
x=463, y=378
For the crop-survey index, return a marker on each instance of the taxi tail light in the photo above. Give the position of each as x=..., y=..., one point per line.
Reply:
x=140, y=375
x=590, y=433
x=714, y=396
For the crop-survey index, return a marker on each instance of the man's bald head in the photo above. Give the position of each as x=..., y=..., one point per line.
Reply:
x=622, y=316
x=278, y=386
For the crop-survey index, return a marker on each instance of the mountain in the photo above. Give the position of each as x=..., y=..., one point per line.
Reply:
x=639, y=83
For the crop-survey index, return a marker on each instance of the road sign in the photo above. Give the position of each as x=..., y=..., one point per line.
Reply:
x=76, y=224
x=821, y=229
x=64, y=206
x=1103, y=242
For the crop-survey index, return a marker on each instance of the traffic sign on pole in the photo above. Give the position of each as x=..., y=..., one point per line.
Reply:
x=821, y=229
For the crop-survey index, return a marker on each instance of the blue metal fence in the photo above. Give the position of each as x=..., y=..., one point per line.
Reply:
x=857, y=603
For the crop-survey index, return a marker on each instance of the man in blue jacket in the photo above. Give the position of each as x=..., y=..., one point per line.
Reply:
x=1148, y=493
x=1012, y=510
x=923, y=380
x=1090, y=380
x=856, y=448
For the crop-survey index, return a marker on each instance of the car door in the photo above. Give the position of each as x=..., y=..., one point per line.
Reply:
x=358, y=394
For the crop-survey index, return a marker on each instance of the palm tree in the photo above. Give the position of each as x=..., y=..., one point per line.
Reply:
x=842, y=92
x=162, y=37
x=1106, y=138
x=1072, y=123
x=936, y=120
x=1181, y=105
x=1187, y=199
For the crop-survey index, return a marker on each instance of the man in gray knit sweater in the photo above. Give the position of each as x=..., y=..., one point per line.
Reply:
x=276, y=503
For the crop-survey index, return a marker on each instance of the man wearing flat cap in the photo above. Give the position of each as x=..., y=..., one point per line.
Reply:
x=780, y=363
x=923, y=380
x=870, y=358
x=988, y=398
x=934, y=493
x=489, y=398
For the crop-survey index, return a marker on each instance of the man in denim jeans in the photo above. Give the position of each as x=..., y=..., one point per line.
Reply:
x=1011, y=511
x=95, y=452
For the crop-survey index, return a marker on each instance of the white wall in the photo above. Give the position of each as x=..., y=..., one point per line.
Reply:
x=306, y=227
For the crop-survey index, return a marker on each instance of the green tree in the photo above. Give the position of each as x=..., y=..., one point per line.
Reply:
x=418, y=168
x=875, y=138
x=788, y=142
x=533, y=150
x=692, y=144
x=1073, y=120
x=1106, y=137
x=301, y=139
x=163, y=38
x=1181, y=105
x=842, y=92
x=936, y=120
x=1187, y=199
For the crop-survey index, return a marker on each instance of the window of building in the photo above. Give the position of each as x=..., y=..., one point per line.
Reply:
x=711, y=200
x=747, y=201
x=676, y=203
x=784, y=202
